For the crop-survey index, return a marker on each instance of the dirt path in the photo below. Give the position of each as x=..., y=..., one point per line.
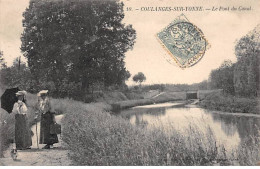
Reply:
x=58, y=156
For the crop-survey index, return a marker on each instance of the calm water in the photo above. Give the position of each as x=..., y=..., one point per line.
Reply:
x=229, y=129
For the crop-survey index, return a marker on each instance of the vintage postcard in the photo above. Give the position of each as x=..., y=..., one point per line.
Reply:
x=129, y=83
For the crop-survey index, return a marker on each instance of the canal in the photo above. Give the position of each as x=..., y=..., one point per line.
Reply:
x=229, y=129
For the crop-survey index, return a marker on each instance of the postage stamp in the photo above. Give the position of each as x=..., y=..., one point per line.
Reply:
x=184, y=41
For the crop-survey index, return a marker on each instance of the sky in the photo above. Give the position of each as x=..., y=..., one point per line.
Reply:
x=222, y=29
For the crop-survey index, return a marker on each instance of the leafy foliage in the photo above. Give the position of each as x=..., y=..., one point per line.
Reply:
x=139, y=78
x=17, y=75
x=78, y=42
x=242, y=77
x=222, y=78
x=247, y=70
x=231, y=104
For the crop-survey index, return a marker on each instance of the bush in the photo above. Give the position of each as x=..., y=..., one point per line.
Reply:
x=232, y=104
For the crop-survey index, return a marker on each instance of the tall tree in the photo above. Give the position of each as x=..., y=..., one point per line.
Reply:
x=78, y=41
x=242, y=77
x=247, y=68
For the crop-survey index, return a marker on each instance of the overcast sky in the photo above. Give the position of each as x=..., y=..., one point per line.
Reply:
x=221, y=28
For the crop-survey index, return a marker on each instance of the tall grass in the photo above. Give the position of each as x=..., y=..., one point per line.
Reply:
x=97, y=138
x=249, y=151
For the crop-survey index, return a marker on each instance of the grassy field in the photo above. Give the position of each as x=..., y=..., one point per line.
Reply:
x=231, y=104
x=94, y=137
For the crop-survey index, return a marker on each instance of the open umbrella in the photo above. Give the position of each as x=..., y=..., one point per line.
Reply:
x=8, y=99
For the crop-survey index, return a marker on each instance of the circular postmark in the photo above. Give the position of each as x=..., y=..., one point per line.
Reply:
x=185, y=42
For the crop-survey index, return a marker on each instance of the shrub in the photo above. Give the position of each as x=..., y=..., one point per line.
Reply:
x=231, y=104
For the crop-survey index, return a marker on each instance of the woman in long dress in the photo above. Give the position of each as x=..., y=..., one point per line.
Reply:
x=47, y=118
x=23, y=139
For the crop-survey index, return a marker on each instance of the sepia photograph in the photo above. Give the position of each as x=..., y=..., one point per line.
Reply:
x=129, y=83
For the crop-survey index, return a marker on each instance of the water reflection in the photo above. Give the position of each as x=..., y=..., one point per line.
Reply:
x=245, y=126
x=229, y=129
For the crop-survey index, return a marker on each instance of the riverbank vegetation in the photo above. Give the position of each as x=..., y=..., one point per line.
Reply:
x=160, y=98
x=240, y=80
x=231, y=104
x=95, y=137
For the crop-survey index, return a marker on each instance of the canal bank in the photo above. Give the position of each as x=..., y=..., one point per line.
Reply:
x=164, y=97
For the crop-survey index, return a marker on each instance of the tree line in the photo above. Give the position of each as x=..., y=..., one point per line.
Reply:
x=240, y=78
x=72, y=47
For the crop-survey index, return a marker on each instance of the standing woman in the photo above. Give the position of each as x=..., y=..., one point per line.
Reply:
x=23, y=137
x=47, y=118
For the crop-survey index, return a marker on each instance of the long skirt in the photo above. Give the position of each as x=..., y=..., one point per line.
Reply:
x=45, y=136
x=23, y=137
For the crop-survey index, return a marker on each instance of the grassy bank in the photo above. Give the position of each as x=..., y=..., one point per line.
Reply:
x=164, y=97
x=231, y=104
x=95, y=137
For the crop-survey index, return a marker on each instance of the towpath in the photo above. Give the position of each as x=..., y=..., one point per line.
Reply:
x=58, y=156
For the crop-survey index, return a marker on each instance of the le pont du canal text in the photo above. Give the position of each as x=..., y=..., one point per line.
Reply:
x=189, y=8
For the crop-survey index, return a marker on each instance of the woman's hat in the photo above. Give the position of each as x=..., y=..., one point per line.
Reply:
x=21, y=93
x=42, y=92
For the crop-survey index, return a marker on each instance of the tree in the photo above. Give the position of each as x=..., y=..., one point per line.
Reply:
x=77, y=41
x=2, y=60
x=247, y=71
x=139, y=78
x=242, y=77
x=222, y=78
x=16, y=76
x=2, y=66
